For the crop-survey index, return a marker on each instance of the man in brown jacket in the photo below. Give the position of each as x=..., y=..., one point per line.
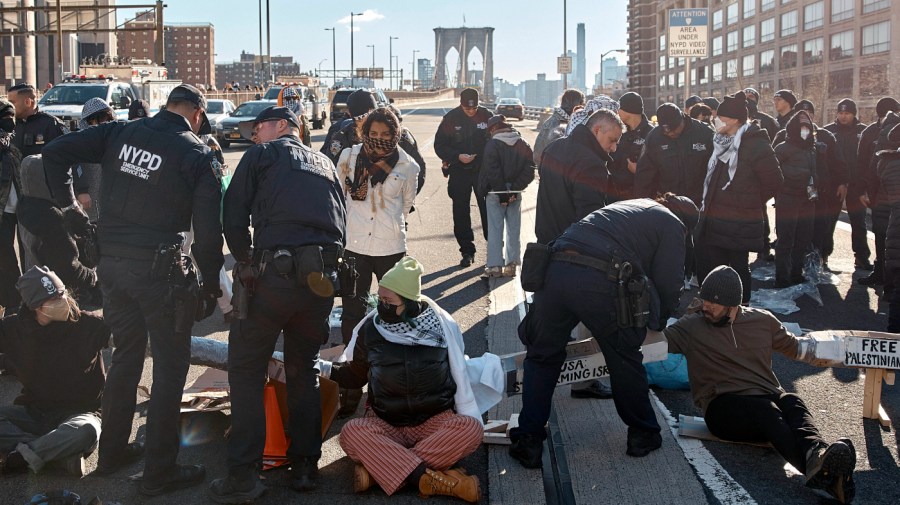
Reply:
x=729, y=354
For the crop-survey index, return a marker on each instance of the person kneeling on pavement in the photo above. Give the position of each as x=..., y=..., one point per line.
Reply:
x=423, y=415
x=56, y=350
x=729, y=356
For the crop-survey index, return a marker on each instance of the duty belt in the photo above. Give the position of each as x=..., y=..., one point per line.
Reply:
x=571, y=256
x=330, y=254
x=127, y=252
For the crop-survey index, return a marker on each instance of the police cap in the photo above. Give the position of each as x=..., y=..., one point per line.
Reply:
x=188, y=93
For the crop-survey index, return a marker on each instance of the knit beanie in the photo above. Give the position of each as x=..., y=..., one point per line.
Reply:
x=722, y=286
x=692, y=101
x=469, y=97
x=38, y=285
x=138, y=109
x=360, y=103
x=631, y=102
x=734, y=107
x=787, y=95
x=669, y=116
x=805, y=105
x=885, y=105
x=752, y=91
x=847, y=105
x=405, y=279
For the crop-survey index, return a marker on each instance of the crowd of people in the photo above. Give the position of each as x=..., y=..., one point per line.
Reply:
x=615, y=190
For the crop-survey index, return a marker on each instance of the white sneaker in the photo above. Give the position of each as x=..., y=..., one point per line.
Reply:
x=492, y=272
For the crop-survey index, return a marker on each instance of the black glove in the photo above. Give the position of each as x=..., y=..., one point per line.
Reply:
x=206, y=305
x=76, y=221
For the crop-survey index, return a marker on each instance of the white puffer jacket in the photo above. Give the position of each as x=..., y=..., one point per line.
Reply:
x=376, y=226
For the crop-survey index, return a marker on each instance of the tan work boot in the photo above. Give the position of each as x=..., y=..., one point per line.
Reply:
x=453, y=482
x=362, y=480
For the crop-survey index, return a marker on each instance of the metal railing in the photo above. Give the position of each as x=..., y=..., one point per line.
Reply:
x=534, y=113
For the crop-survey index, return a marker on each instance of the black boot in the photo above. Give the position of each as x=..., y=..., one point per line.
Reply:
x=876, y=277
x=305, y=474
x=527, y=450
x=642, y=442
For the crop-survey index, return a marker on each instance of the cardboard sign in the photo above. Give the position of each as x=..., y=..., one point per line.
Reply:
x=873, y=352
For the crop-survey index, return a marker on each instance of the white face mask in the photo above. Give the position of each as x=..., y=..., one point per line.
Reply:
x=55, y=310
x=804, y=133
x=719, y=125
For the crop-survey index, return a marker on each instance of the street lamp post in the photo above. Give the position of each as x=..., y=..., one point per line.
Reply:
x=333, y=55
x=320, y=67
x=413, y=87
x=602, y=84
x=391, y=59
x=352, y=68
x=372, y=70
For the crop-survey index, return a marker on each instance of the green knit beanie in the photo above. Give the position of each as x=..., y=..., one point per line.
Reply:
x=405, y=279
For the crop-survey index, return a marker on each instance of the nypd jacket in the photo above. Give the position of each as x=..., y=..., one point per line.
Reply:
x=887, y=164
x=291, y=196
x=644, y=233
x=574, y=183
x=460, y=134
x=848, y=137
x=674, y=165
x=831, y=171
x=630, y=146
x=36, y=131
x=158, y=178
x=766, y=122
x=408, y=384
x=376, y=226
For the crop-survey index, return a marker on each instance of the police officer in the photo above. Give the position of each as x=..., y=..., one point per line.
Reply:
x=625, y=157
x=784, y=101
x=618, y=243
x=293, y=198
x=766, y=121
x=459, y=143
x=158, y=177
x=345, y=134
x=34, y=128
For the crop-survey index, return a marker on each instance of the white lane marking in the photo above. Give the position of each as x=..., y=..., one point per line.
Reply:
x=716, y=478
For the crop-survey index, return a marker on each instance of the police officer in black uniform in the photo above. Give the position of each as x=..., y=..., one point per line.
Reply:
x=293, y=198
x=157, y=178
x=459, y=143
x=625, y=157
x=34, y=128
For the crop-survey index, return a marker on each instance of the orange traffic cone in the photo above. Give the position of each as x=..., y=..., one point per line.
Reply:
x=275, y=452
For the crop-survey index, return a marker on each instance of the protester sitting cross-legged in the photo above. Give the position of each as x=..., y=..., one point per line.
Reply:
x=729, y=357
x=423, y=414
x=55, y=348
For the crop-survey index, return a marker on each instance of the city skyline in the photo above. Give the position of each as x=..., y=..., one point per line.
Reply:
x=516, y=57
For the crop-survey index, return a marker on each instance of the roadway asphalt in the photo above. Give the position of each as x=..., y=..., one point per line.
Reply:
x=833, y=395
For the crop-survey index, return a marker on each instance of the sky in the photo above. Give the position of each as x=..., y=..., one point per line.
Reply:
x=527, y=37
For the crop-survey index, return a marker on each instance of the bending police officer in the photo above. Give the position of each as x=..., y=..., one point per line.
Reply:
x=293, y=199
x=158, y=177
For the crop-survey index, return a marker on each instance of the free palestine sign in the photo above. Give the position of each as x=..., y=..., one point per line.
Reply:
x=688, y=33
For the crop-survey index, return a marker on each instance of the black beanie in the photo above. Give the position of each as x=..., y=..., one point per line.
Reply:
x=631, y=102
x=734, y=106
x=885, y=105
x=469, y=97
x=723, y=286
x=752, y=91
x=847, y=105
x=668, y=115
x=360, y=102
x=692, y=101
x=805, y=105
x=684, y=209
x=38, y=285
x=787, y=95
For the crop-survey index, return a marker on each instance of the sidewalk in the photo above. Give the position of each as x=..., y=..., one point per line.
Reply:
x=587, y=461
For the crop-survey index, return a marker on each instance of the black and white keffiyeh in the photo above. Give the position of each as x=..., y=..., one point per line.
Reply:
x=427, y=331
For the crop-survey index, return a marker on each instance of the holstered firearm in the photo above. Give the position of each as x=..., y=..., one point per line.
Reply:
x=245, y=276
x=185, y=289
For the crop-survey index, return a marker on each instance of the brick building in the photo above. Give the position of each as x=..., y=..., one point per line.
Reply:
x=824, y=50
x=250, y=68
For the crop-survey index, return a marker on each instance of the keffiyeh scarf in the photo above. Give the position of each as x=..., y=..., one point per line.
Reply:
x=725, y=149
x=596, y=103
x=427, y=330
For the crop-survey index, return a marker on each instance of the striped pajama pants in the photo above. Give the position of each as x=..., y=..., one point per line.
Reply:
x=391, y=453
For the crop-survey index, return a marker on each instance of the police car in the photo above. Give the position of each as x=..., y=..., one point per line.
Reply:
x=66, y=99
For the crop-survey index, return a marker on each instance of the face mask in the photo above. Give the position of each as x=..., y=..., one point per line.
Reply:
x=56, y=310
x=7, y=124
x=718, y=124
x=804, y=133
x=387, y=312
x=751, y=106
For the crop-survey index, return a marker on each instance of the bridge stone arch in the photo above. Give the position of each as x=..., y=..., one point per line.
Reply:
x=464, y=40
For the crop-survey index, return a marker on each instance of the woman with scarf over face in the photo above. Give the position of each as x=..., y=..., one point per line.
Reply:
x=795, y=203
x=380, y=182
x=741, y=176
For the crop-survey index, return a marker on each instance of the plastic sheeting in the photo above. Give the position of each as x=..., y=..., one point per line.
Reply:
x=783, y=300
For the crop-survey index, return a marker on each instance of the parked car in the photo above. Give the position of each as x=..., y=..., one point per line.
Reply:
x=66, y=99
x=228, y=131
x=339, y=103
x=218, y=109
x=510, y=107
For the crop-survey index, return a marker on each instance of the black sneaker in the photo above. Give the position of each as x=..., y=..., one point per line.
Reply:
x=231, y=490
x=304, y=474
x=642, y=442
x=873, y=279
x=863, y=264
x=467, y=260
x=825, y=464
x=132, y=452
x=527, y=450
x=597, y=390
x=181, y=477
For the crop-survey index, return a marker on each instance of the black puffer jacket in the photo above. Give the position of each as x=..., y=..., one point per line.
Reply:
x=408, y=384
x=508, y=164
x=629, y=148
x=675, y=165
x=880, y=143
x=574, y=183
x=797, y=158
x=733, y=218
x=888, y=170
x=848, y=137
x=10, y=159
x=831, y=171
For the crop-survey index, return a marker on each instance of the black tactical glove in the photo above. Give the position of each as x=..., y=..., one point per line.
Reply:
x=76, y=221
x=206, y=305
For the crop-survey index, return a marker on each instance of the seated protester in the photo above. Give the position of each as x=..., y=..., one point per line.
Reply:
x=423, y=415
x=729, y=357
x=56, y=349
x=52, y=233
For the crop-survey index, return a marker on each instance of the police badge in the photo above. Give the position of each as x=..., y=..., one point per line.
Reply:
x=217, y=169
